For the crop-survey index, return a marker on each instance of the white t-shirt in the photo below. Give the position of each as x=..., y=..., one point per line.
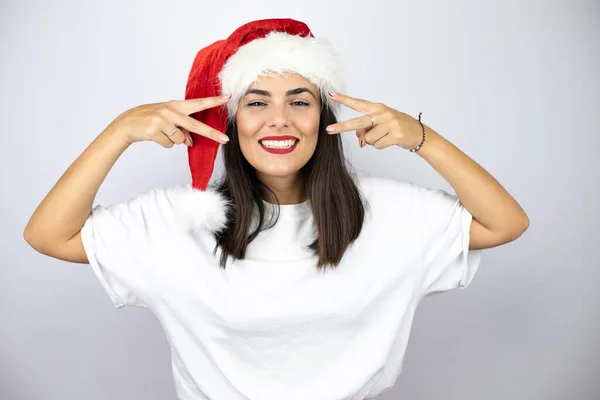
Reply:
x=272, y=326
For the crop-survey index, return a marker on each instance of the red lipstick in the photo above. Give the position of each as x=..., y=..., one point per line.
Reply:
x=279, y=151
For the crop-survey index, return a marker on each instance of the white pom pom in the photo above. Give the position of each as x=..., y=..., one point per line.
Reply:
x=199, y=209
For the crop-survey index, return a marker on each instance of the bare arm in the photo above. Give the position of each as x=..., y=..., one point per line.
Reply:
x=497, y=217
x=54, y=228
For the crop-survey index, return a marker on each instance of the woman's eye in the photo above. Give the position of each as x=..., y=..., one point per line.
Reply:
x=260, y=103
x=255, y=103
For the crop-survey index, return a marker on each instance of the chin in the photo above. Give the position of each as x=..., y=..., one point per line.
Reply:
x=275, y=166
x=277, y=172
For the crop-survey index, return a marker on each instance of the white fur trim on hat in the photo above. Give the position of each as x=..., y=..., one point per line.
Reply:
x=199, y=209
x=277, y=53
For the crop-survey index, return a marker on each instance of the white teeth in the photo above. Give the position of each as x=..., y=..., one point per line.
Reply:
x=278, y=144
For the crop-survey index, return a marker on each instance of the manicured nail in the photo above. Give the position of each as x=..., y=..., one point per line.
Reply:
x=225, y=96
x=223, y=138
x=332, y=94
x=330, y=129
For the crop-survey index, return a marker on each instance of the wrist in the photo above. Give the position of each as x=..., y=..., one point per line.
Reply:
x=432, y=142
x=420, y=135
x=115, y=134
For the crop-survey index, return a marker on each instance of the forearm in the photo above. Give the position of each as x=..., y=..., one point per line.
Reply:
x=489, y=203
x=64, y=210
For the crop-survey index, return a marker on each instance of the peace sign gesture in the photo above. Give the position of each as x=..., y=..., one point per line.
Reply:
x=381, y=127
x=169, y=123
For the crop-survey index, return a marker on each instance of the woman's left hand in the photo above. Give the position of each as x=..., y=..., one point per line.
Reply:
x=387, y=128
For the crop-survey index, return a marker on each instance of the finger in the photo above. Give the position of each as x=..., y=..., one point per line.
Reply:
x=194, y=126
x=360, y=134
x=363, y=122
x=188, y=137
x=191, y=106
x=360, y=105
x=373, y=136
x=385, y=141
x=163, y=140
x=173, y=133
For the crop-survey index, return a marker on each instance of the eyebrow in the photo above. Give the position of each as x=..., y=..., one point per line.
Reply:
x=288, y=93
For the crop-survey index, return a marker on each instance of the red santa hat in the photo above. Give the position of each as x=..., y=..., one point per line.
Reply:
x=230, y=66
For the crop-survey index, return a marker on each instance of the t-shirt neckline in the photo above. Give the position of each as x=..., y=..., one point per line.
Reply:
x=299, y=209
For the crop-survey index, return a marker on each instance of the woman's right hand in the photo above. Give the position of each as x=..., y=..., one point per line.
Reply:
x=168, y=123
x=70, y=200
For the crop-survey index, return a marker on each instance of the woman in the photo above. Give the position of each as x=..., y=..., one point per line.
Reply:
x=292, y=278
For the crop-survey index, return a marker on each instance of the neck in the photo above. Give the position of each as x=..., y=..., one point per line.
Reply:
x=288, y=189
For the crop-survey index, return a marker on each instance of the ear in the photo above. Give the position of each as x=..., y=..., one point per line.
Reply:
x=197, y=209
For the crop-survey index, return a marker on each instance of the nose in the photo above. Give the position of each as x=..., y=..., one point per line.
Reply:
x=278, y=117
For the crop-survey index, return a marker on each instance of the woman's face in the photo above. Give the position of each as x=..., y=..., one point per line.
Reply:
x=277, y=112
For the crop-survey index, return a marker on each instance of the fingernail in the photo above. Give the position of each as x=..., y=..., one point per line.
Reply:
x=224, y=138
x=330, y=129
x=225, y=96
x=331, y=94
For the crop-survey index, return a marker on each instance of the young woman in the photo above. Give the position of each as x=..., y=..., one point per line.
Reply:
x=292, y=278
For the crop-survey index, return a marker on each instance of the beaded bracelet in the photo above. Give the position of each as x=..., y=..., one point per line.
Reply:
x=423, y=141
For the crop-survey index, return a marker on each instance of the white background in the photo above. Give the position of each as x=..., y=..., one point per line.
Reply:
x=514, y=84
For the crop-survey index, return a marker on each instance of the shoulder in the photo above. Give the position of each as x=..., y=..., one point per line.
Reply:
x=392, y=198
x=378, y=188
x=374, y=182
x=387, y=200
x=182, y=206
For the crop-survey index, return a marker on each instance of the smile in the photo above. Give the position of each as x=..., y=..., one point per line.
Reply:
x=282, y=145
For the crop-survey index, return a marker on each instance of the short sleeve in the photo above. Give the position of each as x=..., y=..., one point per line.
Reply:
x=120, y=243
x=443, y=227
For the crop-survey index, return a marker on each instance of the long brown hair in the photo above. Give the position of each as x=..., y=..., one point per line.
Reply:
x=337, y=204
